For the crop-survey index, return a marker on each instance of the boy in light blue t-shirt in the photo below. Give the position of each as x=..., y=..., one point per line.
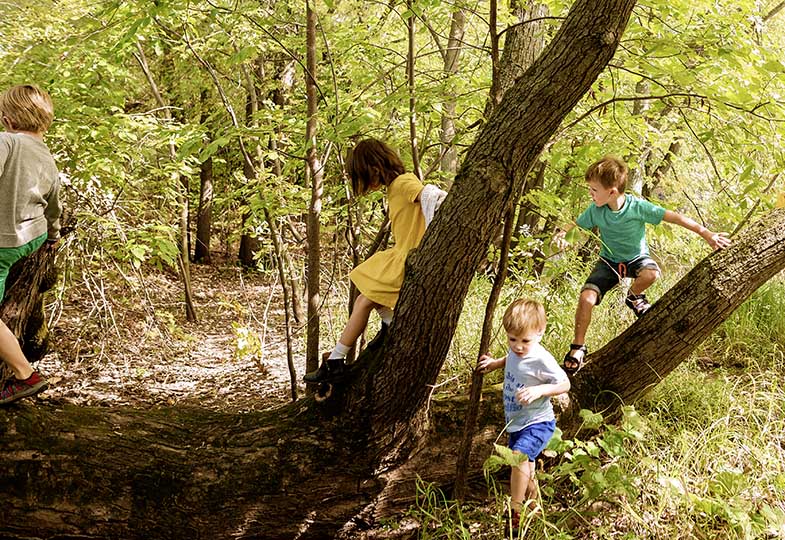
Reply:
x=531, y=377
x=621, y=220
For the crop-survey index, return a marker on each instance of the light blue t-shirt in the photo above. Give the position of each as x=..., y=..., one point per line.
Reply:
x=623, y=232
x=537, y=367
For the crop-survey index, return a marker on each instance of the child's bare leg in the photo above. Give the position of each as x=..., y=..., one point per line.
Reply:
x=586, y=303
x=573, y=360
x=519, y=483
x=334, y=365
x=358, y=320
x=12, y=354
x=645, y=278
x=531, y=488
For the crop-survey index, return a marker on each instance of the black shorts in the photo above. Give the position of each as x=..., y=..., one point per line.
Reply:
x=607, y=274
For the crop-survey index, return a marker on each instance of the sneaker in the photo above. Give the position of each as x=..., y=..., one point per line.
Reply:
x=637, y=303
x=331, y=369
x=515, y=525
x=14, y=388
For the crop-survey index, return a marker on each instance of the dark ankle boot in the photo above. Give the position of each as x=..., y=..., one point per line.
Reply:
x=331, y=368
x=378, y=339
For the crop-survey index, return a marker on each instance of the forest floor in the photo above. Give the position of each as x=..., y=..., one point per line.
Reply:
x=123, y=340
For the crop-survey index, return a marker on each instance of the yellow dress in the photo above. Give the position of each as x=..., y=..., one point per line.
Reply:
x=380, y=277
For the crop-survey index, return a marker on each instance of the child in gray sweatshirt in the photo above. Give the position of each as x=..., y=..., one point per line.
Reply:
x=29, y=211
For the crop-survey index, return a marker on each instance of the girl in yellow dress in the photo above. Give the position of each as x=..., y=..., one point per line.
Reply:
x=373, y=165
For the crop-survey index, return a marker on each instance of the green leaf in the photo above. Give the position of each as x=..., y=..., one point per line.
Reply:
x=591, y=420
x=774, y=66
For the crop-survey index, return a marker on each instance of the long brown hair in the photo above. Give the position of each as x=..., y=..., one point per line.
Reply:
x=372, y=162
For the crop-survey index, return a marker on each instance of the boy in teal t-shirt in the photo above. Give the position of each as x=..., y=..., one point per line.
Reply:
x=621, y=220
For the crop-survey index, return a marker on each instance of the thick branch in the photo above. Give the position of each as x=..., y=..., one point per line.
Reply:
x=688, y=313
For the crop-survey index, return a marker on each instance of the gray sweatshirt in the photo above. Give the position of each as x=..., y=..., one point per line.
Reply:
x=29, y=186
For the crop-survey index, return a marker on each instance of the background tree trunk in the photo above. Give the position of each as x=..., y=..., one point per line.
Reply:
x=451, y=55
x=314, y=174
x=204, y=216
x=249, y=243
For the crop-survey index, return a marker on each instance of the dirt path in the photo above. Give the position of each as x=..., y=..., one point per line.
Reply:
x=123, y=340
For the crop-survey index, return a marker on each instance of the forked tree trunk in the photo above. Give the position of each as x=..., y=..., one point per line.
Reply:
x=303, y=469
x=439, y=273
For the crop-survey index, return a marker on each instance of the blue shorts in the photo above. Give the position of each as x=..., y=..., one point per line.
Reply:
x=607, y=274
x=532, y=439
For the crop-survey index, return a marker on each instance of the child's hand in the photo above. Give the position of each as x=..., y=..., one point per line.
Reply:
x=716, y=240
x=486, y=364
x=559, y=240
x=528, y=394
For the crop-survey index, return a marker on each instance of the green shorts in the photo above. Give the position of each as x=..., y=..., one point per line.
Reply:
x=8, y=256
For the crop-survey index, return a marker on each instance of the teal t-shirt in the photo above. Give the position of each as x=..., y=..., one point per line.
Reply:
x=623, y=232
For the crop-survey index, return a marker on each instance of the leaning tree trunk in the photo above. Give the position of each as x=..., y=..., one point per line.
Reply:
x=301, y=471
x=396, y=387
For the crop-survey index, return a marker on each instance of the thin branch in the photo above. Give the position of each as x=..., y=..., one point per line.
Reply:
x=475, y=392
x=747, y=218
x=224, y=98
x=774, y=11
x=708, y=154
x=697, y=210
x=617, y=99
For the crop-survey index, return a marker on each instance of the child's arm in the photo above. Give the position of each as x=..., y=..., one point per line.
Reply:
x=715, y=240
x=486, y=364
x=559, y=238
x=529, y=394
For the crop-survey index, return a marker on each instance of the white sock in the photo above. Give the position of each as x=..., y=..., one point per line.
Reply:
x=340, y=351
x=385, y=313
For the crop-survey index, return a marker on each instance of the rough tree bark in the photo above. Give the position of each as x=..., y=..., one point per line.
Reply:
x=314, y=174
